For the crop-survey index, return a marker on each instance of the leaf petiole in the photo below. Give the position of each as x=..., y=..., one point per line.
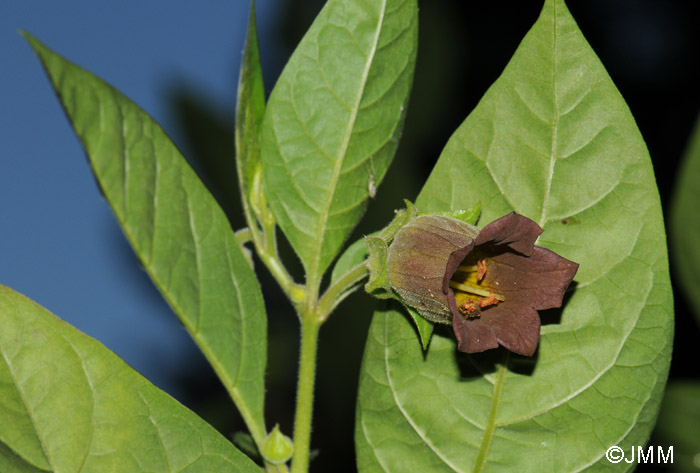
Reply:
x=341, y=289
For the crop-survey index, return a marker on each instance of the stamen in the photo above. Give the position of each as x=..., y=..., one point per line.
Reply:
x=469, y=309
x=490, y=300
x=468, y=288
x=482, y=270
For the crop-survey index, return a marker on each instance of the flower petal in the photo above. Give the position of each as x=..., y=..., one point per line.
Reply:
x=519, y=332
x=516, y=330
x=538, y=281
x=471, y=337
x=517, y=232
x=529, y=277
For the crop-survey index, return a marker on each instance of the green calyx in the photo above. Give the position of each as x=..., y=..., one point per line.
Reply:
x=379, y=284
x=277, y=447
x=378, y=246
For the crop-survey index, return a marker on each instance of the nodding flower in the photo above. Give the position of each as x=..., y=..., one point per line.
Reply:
x=487, y=284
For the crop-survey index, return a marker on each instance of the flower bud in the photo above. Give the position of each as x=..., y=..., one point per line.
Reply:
x=277, y=447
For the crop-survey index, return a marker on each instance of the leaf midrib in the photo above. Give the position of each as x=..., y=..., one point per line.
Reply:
x=500, y=380
x=323, y=215
x=491, y=420
x=555, y=121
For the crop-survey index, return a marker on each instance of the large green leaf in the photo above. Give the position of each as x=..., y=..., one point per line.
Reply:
x=333, y=121
x=685, y=223
x=552, y=139
x=175, y=226
x=68, y=404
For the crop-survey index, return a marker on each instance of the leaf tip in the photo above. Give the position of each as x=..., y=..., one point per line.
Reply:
x=28, y=36
x=423, y=326
x=37, y=46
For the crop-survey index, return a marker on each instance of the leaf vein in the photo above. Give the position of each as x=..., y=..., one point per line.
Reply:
x=197, y=260
x=405, y=414
x=30, y=411
x=588, y=384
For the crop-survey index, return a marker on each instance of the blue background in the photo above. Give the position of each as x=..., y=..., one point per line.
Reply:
x=59, y=242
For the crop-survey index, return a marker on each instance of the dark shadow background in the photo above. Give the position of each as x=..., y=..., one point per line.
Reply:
x=650, y=49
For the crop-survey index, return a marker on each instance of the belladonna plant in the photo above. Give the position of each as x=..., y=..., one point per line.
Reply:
x=487, y=284
x=552, y=140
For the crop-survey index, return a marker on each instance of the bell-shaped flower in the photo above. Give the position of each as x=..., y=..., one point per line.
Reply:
x=487, y=284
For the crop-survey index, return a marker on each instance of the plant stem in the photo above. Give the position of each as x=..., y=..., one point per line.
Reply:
x=269, y=257
x=265, y=242
x=243, y=236
x=270, y=468
x=305, y=392
x=342, y=288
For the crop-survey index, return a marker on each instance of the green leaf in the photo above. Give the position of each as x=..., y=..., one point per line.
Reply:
x=178, y=231
x=679, y=424
x=246, y=444
x=69, y=404
x=250, y=109
x=333, y=121
x=685, y=223
x=423, y=325
x=552, y=139
x=470, y=215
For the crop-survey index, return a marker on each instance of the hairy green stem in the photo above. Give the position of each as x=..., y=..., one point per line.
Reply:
x=342, y=288
x=270, y=468
x=262, y=232
x=265, y=241
x=243, y=236
x=305, y=392
x=267, y=252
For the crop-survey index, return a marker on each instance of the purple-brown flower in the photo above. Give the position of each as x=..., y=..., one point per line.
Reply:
x=489, y=285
